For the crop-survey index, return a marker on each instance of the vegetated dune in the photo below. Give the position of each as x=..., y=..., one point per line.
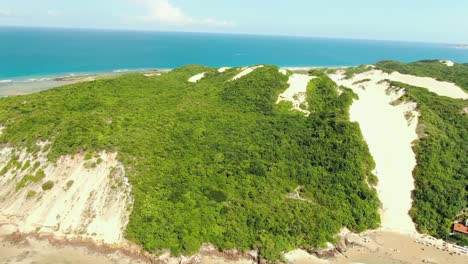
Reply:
x=245, y=71
x=389, y=132
x=296, y=93
x=197, y=77
x=74, y=197
x=439, y=87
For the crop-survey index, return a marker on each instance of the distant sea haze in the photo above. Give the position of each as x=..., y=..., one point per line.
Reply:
x=35, y=52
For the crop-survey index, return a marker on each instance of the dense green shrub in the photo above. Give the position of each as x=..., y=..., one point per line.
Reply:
x=47, y=185
x=213, y=161
x=441, y=175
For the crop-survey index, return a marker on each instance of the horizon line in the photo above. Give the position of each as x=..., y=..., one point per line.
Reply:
x=231, y=33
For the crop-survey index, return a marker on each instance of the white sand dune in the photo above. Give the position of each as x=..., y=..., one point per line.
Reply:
x=296, y=93
x=389, y=136
x=223, y=69
x=197, y=77
x=245, y=71
x=439, y=87
x=89, y=199
x=448, y=63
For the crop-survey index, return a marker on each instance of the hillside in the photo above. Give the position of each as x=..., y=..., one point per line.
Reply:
x=214, y=160
x=440, y=176
x=253, y=158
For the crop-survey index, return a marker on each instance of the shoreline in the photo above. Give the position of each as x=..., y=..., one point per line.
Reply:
x=34, y=84
x=370, y=247
x=65, y=75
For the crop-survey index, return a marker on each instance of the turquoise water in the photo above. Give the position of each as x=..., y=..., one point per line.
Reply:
x=29, y=52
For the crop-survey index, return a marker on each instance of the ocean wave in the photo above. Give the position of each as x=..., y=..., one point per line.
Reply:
x=120, y=71
x=6, y=81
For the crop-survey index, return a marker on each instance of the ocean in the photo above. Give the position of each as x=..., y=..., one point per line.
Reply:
x=38, y=52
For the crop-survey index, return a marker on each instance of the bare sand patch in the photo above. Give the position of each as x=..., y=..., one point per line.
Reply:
x=296, y=93
x=89, y=198
x=197, y=77
x=448, y=63
x=245, y=71
x=389, y=133
x=439, y=87
x=283, y=71
x=223, y=69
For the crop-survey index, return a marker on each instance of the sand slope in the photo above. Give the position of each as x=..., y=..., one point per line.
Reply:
x=223, y=69
x=448, y=63
x=196, y=78
x=389, y=132
x=441, y=88
x=89, y=199
x=245, y=71
x=296, y=93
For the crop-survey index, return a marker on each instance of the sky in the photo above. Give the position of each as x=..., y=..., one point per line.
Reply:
x=444, y=21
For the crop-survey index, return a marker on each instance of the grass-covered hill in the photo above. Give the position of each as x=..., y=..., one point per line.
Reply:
x=214, y=161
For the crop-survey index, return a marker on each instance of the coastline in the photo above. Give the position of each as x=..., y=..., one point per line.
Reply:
x=33, y=84
x=377, y=246
x=371, y=247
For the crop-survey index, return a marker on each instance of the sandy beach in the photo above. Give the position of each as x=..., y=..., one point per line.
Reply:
x=34, y=85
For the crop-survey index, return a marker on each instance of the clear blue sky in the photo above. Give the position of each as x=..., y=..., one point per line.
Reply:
x=412, y=20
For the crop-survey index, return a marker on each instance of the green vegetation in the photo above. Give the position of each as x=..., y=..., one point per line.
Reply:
x=213, y=161
x=69, y=184
x=441, y=175
x=362, y=81
x=26, y=165
x=351, y=71
x=435, y=69
x=30, y=178
x=47, y=185
x=30, y=194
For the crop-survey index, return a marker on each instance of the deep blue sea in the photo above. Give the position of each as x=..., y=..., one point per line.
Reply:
x=31, y=52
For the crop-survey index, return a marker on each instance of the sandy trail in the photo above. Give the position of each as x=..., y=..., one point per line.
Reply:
x=197, y=77
x=389, y=136
x=296, y=93
x=245, y=71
